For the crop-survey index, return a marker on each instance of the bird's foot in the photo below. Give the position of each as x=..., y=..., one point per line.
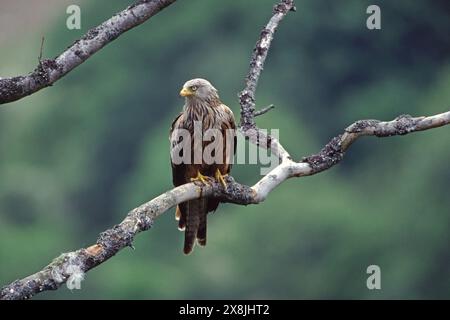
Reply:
x=220, y=178
x=201, y=178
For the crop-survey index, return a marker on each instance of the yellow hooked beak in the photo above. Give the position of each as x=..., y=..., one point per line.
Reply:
x=185, y=92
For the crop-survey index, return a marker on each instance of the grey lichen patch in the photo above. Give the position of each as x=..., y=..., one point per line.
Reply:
x=144, y=221
x=111, y=34
x=401, y=125
x=19, y=290
x=404, y=124
x=48, y=64
x=247, y=102
x=138, y=3
x=284, y=6
x=115, y=239
x=234, y=193
x=10, y=88
x=69, y=268
x=80, y=54
x=362, y=125
x=75, y=278
x=41, y=75
x=259, y=48
x=330, y=155
x=91, y=34
x=246, y=98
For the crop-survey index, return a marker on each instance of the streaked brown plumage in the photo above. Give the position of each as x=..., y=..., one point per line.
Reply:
x=203, y=105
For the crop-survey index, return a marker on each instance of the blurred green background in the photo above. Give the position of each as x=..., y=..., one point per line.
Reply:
x=76, y=157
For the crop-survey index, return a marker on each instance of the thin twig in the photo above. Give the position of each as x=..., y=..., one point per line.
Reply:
x=264, y=110
x=42, y=49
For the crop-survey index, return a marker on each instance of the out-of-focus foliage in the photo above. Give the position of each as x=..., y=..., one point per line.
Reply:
x=77, y=156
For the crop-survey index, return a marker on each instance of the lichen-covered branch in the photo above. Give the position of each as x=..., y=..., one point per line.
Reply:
x=264, y=110
x=51, y=70
x=70, y=267
x=247, y=96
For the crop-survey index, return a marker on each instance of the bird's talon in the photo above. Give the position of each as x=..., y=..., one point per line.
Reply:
x=201, y=178
x=220, y=178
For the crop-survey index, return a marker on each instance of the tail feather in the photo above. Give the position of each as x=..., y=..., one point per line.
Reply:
x=195, y=209
x=192, y=219
x=201, y=232
x=180, y=215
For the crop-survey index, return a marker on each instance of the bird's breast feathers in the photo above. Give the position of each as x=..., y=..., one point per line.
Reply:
x=218, y=117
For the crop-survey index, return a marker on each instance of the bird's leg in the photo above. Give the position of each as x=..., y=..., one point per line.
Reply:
x=200, y=177
x=220, y=178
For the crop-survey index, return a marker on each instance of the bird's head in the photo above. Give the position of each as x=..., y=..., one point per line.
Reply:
x=200, y=90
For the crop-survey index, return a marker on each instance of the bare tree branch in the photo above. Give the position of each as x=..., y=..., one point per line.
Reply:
x=76, y=263
x=247, y=96
x=51, y=70
x=70, y=267
x=42, y=49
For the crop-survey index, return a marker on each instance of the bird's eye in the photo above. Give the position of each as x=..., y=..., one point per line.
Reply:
x=194, y=88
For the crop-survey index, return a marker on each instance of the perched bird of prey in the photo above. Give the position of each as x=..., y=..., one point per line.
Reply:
x=202, y=107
